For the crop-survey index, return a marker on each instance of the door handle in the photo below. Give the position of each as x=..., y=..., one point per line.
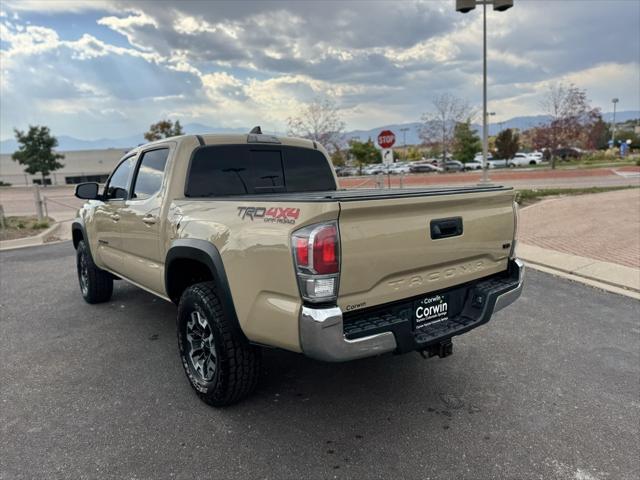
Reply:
x=149, y=220
x=115, y=217
x=446, y=227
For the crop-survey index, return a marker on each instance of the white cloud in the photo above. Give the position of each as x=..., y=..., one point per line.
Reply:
x=236, y=64
x=602, y=82
x=127, y=26
x=188, y=25
x=88, y=46
x=59, y=6
x=29, y=41
x=32, y=40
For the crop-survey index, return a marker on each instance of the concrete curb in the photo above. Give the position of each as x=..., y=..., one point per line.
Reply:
x=604, y=275
x=541, y=202
x=34, y=240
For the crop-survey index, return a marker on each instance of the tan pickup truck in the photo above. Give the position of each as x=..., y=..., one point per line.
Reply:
x=253, y=240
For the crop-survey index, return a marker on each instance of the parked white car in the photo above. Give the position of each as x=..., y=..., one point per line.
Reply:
x=525, y=159
x=374, y=169
x=478, y=157
x=473, y=165
x=398, y=168
x=498, y=163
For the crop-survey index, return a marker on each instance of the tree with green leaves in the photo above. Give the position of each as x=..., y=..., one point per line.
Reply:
x=466, y=143
x=413, y=154
x=338, y=158
x=597, y=134
x=36, y=151
x=507, y=144
x=364, y=153
x=163, y=129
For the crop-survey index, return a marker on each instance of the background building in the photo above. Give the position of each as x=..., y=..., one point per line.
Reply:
x=79, y=166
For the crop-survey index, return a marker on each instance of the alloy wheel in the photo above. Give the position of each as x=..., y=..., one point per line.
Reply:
x=83, y=270
x=202, y=351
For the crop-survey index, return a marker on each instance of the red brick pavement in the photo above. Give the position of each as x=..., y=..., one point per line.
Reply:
x=602, y=226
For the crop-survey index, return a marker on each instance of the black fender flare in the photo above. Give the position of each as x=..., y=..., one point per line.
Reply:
x=78, y=226
x=206, y=253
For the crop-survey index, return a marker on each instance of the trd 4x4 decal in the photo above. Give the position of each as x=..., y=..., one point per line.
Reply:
x=270, y=214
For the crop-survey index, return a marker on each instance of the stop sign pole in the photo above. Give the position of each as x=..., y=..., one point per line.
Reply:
x=386, y=139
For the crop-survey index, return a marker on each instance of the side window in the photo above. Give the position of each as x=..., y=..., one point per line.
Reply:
x=118, y=185
x=150, y=172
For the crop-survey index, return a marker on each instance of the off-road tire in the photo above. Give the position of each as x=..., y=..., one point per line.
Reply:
x=97, y=285
x=237, y=366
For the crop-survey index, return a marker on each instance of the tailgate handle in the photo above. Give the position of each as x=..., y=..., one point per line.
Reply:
x=446, y=227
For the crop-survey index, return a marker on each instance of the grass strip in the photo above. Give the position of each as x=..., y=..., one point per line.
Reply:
x=529, y=196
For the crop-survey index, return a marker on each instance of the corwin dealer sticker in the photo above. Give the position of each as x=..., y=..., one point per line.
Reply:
x=431, y=310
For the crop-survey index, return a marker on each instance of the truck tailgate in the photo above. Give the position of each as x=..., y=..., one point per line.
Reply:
x=389, y=253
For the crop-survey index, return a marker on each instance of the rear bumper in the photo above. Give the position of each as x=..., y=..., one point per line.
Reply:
x=507, y=298
x=322, y=330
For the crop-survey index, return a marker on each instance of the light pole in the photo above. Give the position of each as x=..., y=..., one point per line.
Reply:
x=404, y=131
x=465, y=6
x=613, y=127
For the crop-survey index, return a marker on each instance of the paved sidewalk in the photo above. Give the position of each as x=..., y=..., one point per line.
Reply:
x=602, y=226
x=604, y=275
x=58, y=232
x=594, y=239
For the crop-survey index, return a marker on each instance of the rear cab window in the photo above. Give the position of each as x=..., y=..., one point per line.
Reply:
x=224, y=170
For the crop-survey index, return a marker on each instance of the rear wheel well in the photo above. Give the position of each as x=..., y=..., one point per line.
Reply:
x=76, y=236
x=184, y=272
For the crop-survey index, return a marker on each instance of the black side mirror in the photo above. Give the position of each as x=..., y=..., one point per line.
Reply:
x=88, y=191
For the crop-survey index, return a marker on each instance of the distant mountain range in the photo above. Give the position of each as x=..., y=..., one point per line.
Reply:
x=521, y=123
x=67, y=143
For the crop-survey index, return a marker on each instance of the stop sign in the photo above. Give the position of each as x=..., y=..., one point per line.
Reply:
x=386, y=139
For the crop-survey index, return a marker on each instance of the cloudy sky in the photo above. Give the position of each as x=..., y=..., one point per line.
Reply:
x=108, y=68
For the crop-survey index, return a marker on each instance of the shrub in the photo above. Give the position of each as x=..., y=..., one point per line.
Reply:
x=40, y=225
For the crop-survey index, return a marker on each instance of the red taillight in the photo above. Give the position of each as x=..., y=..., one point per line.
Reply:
x=325, y=250
x=302, y=251
x=316, y=254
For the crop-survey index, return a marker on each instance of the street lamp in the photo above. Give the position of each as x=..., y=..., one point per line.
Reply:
x=490, y=114
x=404, y=131
x=465, y=6
x=613, y=128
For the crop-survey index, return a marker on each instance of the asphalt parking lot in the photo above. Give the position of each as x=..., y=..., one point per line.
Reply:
x=549, y=389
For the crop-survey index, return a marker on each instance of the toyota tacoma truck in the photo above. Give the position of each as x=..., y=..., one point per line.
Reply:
x=251, y=238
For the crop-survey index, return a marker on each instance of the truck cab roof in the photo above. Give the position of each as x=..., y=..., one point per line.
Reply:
x=237, y=139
